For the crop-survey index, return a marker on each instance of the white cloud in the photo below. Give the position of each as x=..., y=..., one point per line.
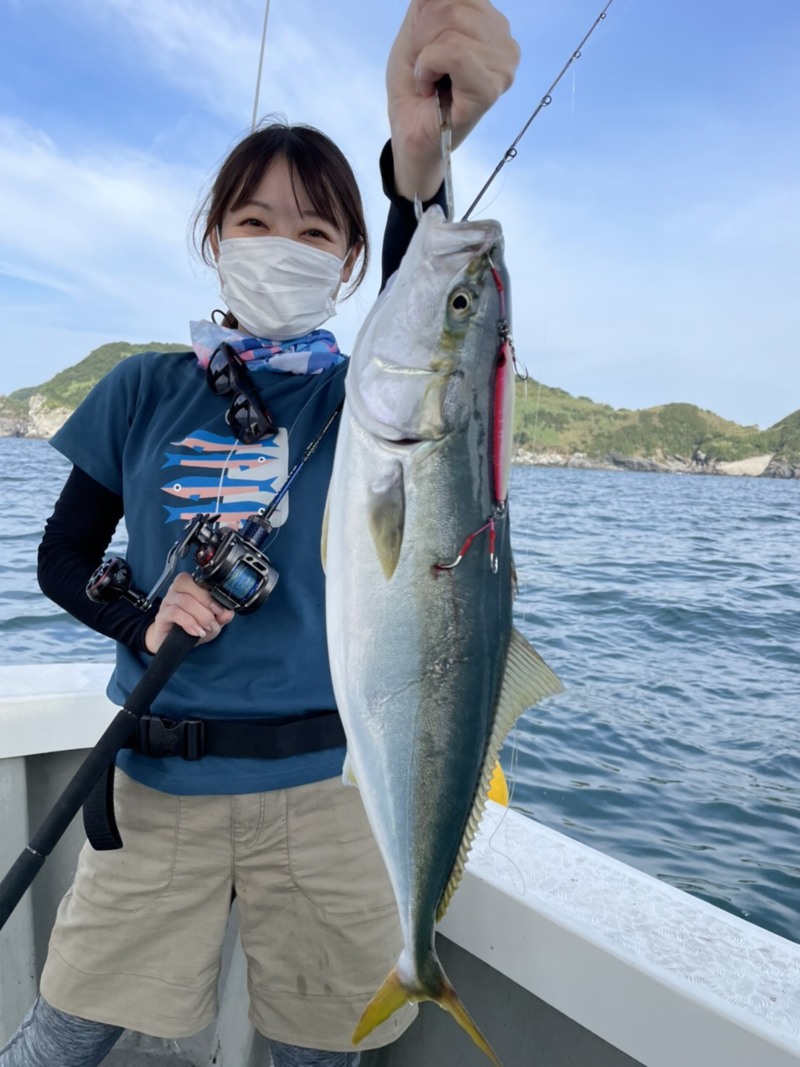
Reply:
x=648, y=306
x=211, y=50
x=95, y=234
x=73, y=211
x=644, y=268
x=93, y=244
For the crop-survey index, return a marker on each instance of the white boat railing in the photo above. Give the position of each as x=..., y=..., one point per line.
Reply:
x=664, y=978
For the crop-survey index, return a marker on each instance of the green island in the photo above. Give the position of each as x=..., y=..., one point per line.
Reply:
x=552, y=427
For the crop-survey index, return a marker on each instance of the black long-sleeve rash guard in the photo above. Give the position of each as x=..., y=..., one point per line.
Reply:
x=87, y=514
x=76, y=537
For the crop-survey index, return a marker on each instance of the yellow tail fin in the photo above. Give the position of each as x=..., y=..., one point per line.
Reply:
x=449, y=1000
x=393, y=994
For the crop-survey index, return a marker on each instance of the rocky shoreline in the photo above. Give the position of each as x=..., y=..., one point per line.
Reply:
x=765, y=466
x=42, y=420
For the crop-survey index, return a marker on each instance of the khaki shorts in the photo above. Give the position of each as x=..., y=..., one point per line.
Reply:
x=138, y=939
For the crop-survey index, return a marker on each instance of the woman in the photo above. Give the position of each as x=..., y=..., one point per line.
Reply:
x=165, y=438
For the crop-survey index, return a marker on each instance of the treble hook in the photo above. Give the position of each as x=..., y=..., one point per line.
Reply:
x=488, y=525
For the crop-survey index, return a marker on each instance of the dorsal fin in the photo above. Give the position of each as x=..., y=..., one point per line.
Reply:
x=527, y=679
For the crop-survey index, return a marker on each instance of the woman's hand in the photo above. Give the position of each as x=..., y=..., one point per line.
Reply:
x=188, y=605
x=471, y=41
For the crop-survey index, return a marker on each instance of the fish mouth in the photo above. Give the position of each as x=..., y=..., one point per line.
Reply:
x=403, y=442
x=406, y=440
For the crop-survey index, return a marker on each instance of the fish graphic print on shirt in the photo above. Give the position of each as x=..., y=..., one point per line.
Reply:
x=214, y=474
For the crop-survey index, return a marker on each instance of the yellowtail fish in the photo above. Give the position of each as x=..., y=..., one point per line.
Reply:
x=428, y=670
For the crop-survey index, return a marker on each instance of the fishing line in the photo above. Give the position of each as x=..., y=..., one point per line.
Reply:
x=536, y=417
x=260, y=65
x=520, y=428
x=512, y=770
x=276, y=500
x=546, y=100
x=222, y=473
x=512, y=780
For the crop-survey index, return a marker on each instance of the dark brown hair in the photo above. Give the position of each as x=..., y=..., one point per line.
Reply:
x=315, y=164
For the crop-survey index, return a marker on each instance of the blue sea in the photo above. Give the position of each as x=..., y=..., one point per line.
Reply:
x=669, y=606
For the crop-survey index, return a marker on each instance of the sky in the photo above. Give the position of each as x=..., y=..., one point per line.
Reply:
x=652, y=216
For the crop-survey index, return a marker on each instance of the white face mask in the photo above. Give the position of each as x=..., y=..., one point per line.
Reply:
x=278, y=288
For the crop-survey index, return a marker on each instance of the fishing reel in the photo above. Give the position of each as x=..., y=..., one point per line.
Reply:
x=229, y=563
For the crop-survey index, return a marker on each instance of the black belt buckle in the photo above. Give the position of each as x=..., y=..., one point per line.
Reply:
x=160, y=737
x=194, y=739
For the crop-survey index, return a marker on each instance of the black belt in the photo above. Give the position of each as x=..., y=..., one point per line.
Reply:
x=191, y=739
x=275, y=738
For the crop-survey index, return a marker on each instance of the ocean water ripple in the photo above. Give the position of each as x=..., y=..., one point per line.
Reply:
x=668, y=605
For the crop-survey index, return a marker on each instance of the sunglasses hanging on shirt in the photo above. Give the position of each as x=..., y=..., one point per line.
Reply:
x=248, y=416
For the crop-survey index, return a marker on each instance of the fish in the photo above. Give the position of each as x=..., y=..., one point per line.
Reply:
x=222, y=487
x=232, y=513
x=205, y=441
x=428, y=670
x=233, y=465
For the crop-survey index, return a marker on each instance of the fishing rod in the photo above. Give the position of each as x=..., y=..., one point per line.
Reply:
x=546, y=100
x=254, y=122
x=175, y=648
x=232, y=566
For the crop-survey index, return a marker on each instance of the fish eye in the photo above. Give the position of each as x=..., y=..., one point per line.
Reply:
x=460, y=303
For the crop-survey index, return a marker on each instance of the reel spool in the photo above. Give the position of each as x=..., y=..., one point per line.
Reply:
x=229, y=563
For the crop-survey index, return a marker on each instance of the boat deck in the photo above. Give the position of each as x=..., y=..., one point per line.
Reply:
x=564, y=956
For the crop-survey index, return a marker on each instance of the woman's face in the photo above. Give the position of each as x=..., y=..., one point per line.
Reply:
x=275, y=209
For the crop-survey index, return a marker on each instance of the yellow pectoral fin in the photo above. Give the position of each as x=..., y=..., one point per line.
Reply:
x=387, y=517
x=348, y=774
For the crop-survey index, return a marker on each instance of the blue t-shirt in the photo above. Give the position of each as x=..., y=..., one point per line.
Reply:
x=152, y=432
